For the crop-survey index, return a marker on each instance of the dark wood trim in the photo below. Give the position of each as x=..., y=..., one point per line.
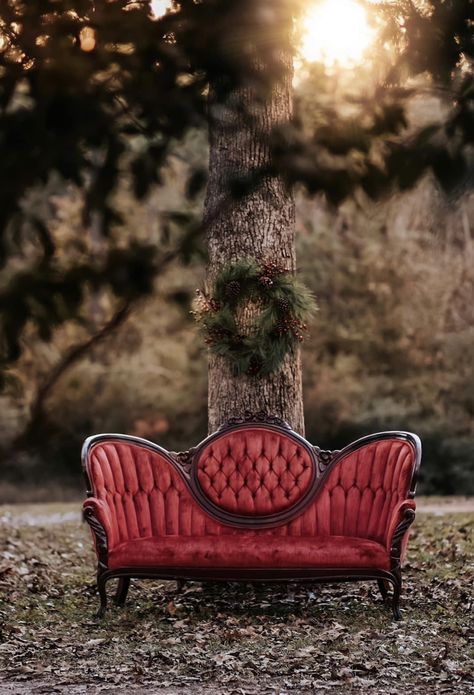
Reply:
x=383, y=588
x=395, y=558
x=315, y=575
x=238, y=574
x=185, y=459
x=100, y=538
x=101, y=546
x=324, y=457
x=398, y=536
x=122, y=591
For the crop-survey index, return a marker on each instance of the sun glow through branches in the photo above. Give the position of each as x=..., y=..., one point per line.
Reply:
x=160, y=7
x=336, y=32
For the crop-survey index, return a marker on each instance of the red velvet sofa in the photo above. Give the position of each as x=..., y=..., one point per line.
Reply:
x=254, y=501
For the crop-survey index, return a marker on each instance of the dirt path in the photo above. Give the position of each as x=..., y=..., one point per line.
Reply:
x=447, y=505
x=39, y=514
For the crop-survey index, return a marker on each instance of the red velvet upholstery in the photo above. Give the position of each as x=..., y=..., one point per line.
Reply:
x=245, y=552
x=144, y=492
x=361, y=491
x=254, y=471
x=151, y=516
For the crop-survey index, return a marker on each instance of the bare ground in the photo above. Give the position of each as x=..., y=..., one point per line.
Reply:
x=226, y=639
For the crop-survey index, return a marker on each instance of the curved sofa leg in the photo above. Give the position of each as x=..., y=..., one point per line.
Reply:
x=383, y=588
x=180, y=584
x=101, y=581
x=122, y=591
x=395, y=557
x=397, y=589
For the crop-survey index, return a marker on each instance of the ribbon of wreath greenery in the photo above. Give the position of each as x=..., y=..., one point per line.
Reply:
x=278, y=327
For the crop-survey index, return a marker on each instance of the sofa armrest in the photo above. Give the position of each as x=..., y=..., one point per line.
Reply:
x=100, y=518
x=398, y=527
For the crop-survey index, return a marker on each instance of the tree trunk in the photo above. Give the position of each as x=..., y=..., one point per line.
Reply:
x=259, y=225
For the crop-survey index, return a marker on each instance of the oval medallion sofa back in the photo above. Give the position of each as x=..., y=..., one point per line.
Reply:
x=252, y=501
x=254, y=472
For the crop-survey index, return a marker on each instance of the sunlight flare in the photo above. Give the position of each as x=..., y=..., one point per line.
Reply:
x=160, y=7
x=336, y=32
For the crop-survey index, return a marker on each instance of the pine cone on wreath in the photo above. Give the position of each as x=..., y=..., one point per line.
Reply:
x=233, y=288
x=284, y=304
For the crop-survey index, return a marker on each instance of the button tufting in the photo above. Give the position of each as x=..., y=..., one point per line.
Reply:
x=262, y=473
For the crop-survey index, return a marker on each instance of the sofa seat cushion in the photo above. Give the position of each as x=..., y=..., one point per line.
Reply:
x=244, y=551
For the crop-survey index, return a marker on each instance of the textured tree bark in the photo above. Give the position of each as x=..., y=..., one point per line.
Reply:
x=260, y=225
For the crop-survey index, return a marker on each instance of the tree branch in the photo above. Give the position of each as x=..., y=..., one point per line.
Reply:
x=70, y=359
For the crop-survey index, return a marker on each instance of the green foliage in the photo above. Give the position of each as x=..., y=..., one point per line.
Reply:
x=284, y=305
x=92, y=91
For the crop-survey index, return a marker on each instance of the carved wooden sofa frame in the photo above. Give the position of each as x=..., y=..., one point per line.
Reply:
x=143, y=499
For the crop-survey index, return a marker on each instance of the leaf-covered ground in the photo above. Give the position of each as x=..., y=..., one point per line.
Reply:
x=231, y=638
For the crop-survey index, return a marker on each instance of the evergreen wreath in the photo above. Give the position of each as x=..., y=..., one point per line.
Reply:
x=280, y=325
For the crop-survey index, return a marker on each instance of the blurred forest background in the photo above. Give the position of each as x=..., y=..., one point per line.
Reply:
x=390, y=347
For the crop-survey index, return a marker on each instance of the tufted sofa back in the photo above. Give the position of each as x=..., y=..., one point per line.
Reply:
x=255, y=471
x=144, y=489
x=360, y=489
x=251, y=475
